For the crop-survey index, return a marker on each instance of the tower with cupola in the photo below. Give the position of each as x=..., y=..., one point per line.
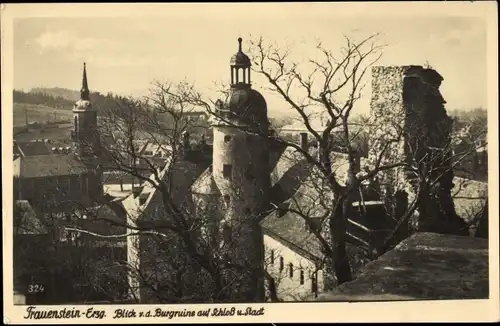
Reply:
x=240, y=168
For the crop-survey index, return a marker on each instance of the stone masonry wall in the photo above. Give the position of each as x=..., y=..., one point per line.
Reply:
x=409, y=123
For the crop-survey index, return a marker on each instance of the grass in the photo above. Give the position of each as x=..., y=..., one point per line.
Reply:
x=38, y=113
x=59, y=133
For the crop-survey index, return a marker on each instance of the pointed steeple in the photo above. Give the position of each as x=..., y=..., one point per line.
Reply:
x=84, y=92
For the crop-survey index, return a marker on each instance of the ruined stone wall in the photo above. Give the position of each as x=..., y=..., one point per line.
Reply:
x=409, y=124
x=387, y=123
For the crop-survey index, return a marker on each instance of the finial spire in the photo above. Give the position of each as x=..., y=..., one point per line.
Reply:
x=84, y=92
x=239, y=45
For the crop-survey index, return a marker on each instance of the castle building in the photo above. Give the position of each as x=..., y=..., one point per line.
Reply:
x=243, y=196
x=240, y=170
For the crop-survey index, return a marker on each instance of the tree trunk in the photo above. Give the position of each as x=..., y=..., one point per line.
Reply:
x=338, y=227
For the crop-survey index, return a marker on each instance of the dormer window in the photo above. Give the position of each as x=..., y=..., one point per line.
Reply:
x=227, y=170
x=284, y=208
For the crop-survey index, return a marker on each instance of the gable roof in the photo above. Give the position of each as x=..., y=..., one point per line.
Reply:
x=299, y=189
x=205, y=184
x=50, y=165
x=181, y=177
x=31, y=148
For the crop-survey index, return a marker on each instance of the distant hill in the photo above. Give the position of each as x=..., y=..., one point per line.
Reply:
x=68, y=94
x=41, y=98
x=59, y=98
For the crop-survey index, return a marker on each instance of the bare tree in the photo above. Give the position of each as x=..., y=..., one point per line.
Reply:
x=182, y=249
x=182, y=236
x=317, y=85
x=331, y=87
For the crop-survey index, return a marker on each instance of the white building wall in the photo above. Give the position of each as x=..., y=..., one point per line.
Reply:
x=17, y=167
x=290, y=288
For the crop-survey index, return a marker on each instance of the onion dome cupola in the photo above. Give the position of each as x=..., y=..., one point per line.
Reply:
x=244, y=103
x=83, y=104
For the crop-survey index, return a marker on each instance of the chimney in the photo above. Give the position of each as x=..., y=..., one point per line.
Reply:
x=303, y=141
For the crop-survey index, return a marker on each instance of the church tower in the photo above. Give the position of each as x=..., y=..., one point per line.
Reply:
x=241, y=171
x=85, y=134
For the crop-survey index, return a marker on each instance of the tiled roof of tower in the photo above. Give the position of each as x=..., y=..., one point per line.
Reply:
x=50, y=165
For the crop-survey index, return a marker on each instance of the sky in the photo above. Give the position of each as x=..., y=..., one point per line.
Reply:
x=125, y=54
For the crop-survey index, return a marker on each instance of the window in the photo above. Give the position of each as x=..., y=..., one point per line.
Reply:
x=284, y=208
x=142, y=199
x=227, y=233
x=227, y=200
x=301, y=277
x=314, y=285
x=227, y=138
x=282, y=264
x=272, y=256
x=85, y=185
x=76, y=124
x=227, y=171
x=290, y=270
x=249, y=173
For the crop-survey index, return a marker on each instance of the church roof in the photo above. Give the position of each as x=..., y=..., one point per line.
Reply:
x=83, y=104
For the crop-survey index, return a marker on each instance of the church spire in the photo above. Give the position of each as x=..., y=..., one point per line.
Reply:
x=84, y=92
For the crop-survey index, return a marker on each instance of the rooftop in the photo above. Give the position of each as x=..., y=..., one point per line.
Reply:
x=32, y=148
x=50, y=165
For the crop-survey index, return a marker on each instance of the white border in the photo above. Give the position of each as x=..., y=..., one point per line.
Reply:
x=456, y=310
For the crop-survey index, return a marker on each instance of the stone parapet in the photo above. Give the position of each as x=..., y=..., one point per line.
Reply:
x=425, y=266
